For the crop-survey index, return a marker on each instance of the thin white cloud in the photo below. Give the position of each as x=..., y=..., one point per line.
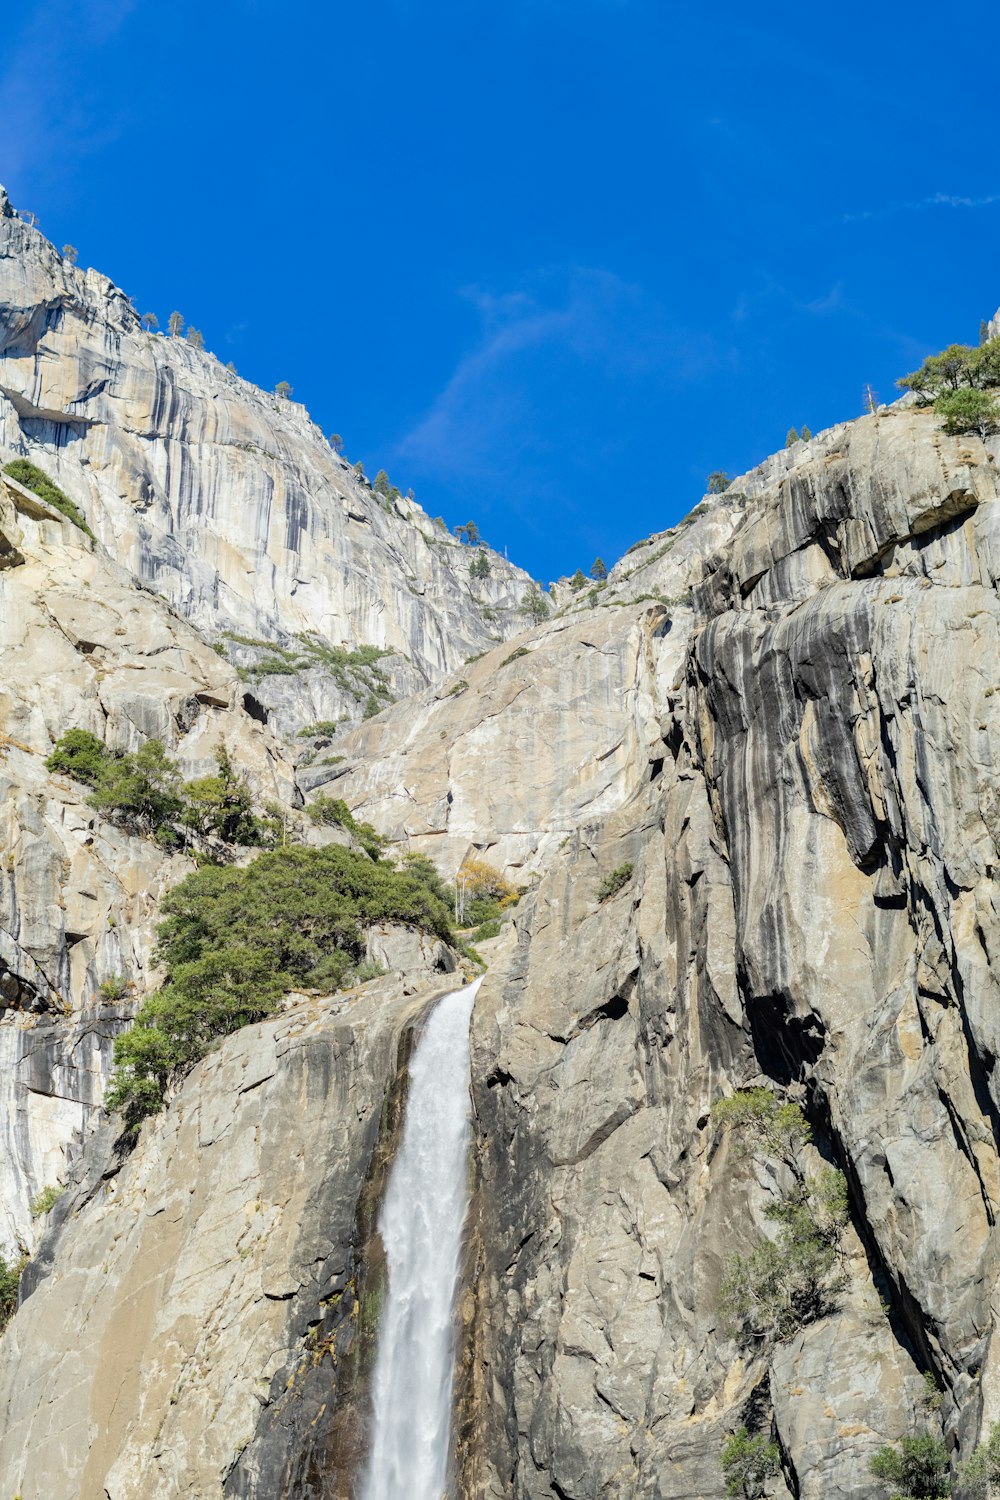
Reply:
x=581, y=315
x=918, y=205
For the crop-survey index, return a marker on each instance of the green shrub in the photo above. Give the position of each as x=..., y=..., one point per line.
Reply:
x=760, y=1119
x=717, y=482
x=534, y=605
x=10, y=1280
x=458, y=688
x=980, y=1474
x=234, y=940
x=490, y=929
x=384, y=487
x=957, y=367
x=79, y=754
x=39, y=483
x=968, y=410
x=577, y=582
x=142, y=791
x=613, y=883
x=520, y=651
x=366, y=970
x=333, y=812
x=748, y=1463
x=915, y=1469
x=791, y=438
x=785, y=1283
x=324, y=727
x=45, y=1200
x=113, y=989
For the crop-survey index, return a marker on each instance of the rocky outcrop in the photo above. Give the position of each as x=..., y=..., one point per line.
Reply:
x=210, y=1288
x=83, y=647
x=227, y=499
x=811, y=907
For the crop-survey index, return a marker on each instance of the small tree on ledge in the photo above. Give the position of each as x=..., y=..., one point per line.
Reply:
x=283, y=390
x=598, y=570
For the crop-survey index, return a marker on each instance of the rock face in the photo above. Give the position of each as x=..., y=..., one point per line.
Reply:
x=811, y=906
x=82, y=647
x=227, y=499
x=224, y=1253
x=776, y=724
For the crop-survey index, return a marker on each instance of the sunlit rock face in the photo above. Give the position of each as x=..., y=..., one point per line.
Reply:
x=226, y=499
x=82, y=647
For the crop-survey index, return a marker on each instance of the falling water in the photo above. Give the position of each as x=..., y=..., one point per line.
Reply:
x=421, y=1227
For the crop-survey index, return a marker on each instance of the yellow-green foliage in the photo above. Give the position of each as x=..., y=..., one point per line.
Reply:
x=762, y=1122
x=792, y=1280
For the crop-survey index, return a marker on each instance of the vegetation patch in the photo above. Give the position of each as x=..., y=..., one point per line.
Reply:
x=142, y=792
x=762, y=1121
x=482, y=894
x=748, y=1463
x=234, y=940
x=333, y=812
x=10, y=1280
x=520, y=651
x=787, y=1282
x=36, y=480
x=915, y=1468
x=355, y=671
x=324, y=727
x=45, y=1200
x=613, y=883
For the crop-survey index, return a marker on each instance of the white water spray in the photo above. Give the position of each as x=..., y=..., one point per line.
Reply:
x=421, y=1226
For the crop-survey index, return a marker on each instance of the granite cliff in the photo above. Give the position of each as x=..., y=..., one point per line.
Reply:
x=774, y=728
x=229, y=501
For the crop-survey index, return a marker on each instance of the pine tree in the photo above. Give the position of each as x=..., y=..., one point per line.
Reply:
x=195, y=338
x=150, y=322
x=69, y=254
x=175, y=325
x=805, y=434
x=283, y=390
x=598, y=571
x=792, y=438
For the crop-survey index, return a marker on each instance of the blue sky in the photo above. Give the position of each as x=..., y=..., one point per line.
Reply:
x=549, y=262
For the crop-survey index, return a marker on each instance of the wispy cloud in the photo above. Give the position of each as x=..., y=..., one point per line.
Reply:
x=918, y=205
x=563, y=327
x=772, y=291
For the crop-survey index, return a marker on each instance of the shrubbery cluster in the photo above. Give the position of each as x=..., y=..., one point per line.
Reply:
x=483, y=895
x=958, y=381
x=36, y=480
x=142, y=791
x=334, y=812
x=615, y=882
x=234, y=940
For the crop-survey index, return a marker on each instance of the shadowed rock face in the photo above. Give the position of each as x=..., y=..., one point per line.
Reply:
x=812, y=905
x=225, y=498
x=783, y=716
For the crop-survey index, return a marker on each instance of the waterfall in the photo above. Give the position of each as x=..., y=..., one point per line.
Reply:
x=421, y=1226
